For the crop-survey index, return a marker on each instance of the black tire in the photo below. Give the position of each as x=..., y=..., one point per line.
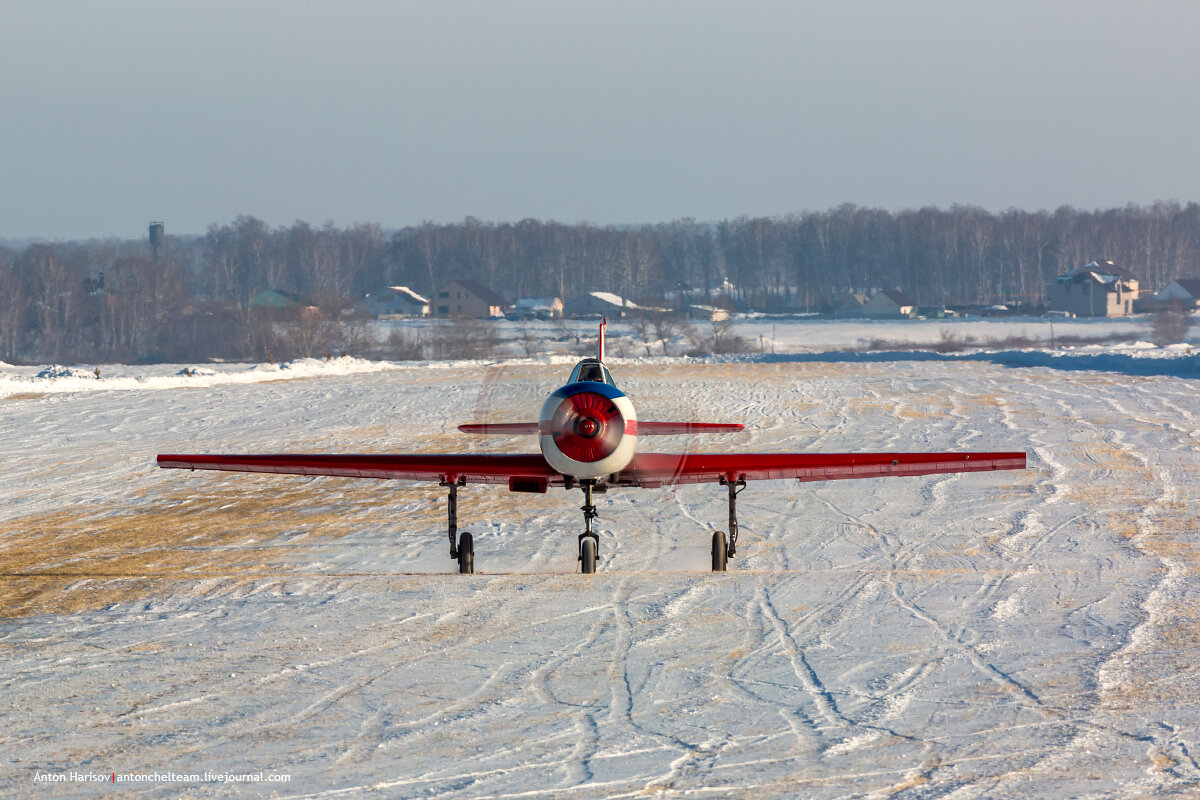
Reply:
x=466, y=554
x=720, y=547
x=587, y=555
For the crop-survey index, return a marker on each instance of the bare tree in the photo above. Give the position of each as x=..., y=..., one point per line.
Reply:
x=530, y=342
x=198, y=299
x=464, y=338
x=667, y=327
x=315, y=334
x=1171, y=324
x=403, y=346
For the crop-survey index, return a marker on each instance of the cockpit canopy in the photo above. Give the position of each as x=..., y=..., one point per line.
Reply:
x=591, y=369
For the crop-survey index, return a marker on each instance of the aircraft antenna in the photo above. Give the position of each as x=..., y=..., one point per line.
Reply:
x=600, y=346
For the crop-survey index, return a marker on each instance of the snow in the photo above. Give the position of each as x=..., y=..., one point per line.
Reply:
x=822, y=333
x=808, y=334
x=59, y=379
x=981, y=635
x=614, y=299
x=57, y=372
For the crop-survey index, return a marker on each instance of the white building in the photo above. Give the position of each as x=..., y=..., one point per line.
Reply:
x=707, y=313
x=538, y=308
x=890, y=304
x=397, y=300
x=1185, y=291
x=606, y=303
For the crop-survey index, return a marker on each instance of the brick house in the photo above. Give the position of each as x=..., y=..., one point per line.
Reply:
x=467, y=298
x=1095, y=290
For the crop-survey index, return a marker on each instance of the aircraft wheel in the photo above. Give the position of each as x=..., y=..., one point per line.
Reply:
x=466, y=554
x=587, y=555
x=720, y=554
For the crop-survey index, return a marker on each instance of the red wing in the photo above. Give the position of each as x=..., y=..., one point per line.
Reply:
x=658, y=469
x=647, y=469
x=671, y=428
x=469, y=467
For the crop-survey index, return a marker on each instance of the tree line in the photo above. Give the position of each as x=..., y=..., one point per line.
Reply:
x=114, y=301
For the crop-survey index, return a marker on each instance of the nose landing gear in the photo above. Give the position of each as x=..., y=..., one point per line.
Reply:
x=589, y=541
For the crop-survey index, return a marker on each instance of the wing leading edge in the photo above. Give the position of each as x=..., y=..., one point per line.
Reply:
x=466, y=467
x=648, y=470
x=638, y=428
x=651, y=470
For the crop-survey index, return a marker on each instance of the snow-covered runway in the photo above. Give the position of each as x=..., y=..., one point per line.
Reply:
x=1015, y=633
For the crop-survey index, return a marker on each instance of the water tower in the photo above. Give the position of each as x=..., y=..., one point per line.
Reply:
x=156, y=237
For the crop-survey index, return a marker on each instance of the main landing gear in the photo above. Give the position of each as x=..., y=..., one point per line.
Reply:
x=723, y=549
x=461, y=548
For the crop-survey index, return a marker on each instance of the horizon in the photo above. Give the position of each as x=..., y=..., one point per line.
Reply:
x=25, y=241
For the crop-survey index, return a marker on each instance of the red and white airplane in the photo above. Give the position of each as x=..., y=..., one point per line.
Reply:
x=588, y=433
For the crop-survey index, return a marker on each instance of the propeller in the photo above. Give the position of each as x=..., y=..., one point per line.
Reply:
x=587, y=427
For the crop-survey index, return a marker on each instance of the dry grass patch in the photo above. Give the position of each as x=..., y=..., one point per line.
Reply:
x=859, y=405
x=915, y=413
x=986, y=400
x=1163, y=675
x=66, y=561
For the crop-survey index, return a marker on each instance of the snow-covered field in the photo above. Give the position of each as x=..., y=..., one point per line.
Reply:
x=1029, y=633
x=803, y=334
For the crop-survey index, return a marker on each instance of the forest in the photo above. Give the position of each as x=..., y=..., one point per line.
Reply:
x=110, y=301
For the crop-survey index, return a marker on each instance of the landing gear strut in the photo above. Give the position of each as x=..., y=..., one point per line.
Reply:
x=462, y=549
x=722, y=549
x=589, y=541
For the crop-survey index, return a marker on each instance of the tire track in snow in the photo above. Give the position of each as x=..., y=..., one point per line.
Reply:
x=802, y=725
x=898, y=557
x=1168, y=754
x=576, y=765
x=820, y=697
x=763, y=545
x=610, y=714
x=622, y=702
x=1092, y=730
x=957, y=640
x=868, y=588
x=828, y=721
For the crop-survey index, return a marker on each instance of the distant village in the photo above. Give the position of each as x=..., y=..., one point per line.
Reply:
x=1096, y=289
x=246, y=291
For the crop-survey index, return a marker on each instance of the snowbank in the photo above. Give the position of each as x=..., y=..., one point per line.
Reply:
x=56, y=378
x=1138, y=358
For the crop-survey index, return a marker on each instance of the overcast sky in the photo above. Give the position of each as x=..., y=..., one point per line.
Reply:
x=118, y=112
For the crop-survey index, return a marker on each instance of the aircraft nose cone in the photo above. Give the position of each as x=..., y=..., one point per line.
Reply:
x=585, y=426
